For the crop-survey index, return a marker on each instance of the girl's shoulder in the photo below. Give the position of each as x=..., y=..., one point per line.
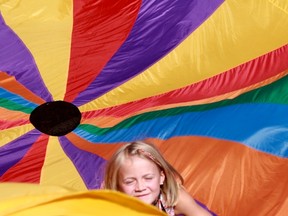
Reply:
x=187, y=205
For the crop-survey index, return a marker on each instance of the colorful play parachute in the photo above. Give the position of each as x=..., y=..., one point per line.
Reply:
x=206, y=81
x=46, y=200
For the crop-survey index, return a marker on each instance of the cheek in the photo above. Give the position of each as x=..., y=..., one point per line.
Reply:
x=126, y=189
x=155, y=185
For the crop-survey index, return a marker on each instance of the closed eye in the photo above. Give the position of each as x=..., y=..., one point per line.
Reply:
x=129, y=182
x=148, y=178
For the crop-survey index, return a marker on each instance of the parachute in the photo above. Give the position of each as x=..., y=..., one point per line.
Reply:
x=203, y=80
x=47, y=200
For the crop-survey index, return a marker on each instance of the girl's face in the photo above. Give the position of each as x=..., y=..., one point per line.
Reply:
x=141, y=178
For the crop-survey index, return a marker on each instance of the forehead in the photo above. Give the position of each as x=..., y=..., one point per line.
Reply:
x=137, y=165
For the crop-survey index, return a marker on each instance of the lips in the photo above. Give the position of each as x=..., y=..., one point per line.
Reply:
x=142, y=195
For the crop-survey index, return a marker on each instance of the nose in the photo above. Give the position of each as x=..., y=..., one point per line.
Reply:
x=140, y=186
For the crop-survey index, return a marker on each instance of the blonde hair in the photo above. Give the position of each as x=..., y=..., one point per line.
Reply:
x=142, y=149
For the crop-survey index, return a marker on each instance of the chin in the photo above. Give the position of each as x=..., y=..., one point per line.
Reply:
x=146, y=200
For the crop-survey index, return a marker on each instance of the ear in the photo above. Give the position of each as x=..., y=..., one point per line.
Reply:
x=162, y=177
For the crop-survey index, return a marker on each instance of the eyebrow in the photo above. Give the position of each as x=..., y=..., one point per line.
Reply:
x=145, y=175
x=149, y=174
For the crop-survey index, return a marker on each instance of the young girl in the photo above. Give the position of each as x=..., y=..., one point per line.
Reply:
x=138, y=169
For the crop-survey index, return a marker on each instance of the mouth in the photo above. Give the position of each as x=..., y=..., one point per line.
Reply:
x=141, y=195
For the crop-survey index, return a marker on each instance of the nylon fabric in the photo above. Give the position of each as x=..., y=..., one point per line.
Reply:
x=55, y=200
x=240, y=37
x=204, y=80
